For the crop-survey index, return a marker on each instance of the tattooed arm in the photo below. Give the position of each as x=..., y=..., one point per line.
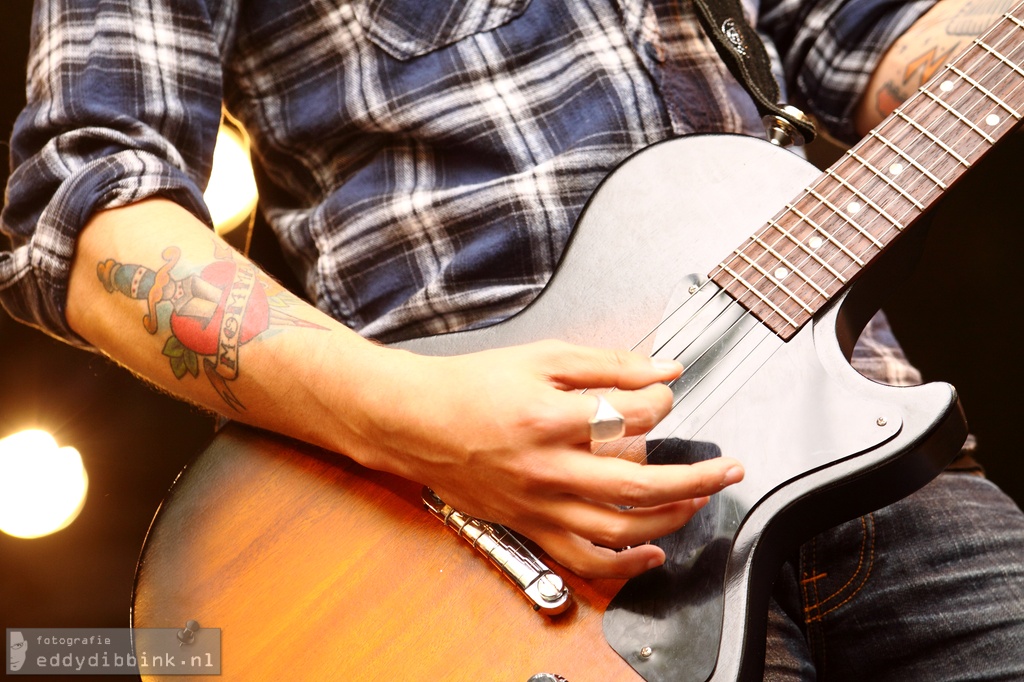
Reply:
x=152, y=288
x=927, y=46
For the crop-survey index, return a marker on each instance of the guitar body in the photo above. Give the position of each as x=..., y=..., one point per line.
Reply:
x=315, y=568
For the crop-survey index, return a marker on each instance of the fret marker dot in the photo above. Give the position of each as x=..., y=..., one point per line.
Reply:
x=992, y=119
x=781, y=274
x=853, y=207
x=815, y=242
x=896, y=168
x=946, y=86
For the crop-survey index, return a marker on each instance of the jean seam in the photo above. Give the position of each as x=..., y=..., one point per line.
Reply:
x=809, y=587
x=863, y=563
x=809, y=581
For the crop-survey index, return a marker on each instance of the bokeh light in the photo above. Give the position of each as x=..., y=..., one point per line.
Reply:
x=42, y=486
x=231, y=194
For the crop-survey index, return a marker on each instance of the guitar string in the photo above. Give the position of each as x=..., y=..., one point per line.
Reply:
x=790, y=250
x=975, y=55
x=732, y=306
x=976, y=109
x=672, y=337
x=794, y=249
x=626, y=446
x=818, y=196
x=919, y=136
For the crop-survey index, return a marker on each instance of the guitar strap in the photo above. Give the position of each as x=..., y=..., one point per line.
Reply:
x=742, y=50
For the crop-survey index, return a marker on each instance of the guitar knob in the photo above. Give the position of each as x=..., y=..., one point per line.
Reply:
x=547, y=677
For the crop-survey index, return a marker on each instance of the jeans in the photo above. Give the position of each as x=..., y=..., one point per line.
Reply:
x=929, y=588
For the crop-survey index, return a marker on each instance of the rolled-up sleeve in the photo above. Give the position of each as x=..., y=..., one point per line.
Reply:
x=123, y=103
x=830, y=48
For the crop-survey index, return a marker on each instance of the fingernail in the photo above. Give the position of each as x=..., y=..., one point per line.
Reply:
x=699, y=502
x=733, y=475
x=655, y=562
x=666, y=365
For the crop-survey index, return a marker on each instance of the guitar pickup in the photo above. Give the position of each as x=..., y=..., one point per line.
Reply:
x=542, y=587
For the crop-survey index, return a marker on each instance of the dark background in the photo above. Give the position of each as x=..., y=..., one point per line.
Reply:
x=959, y=319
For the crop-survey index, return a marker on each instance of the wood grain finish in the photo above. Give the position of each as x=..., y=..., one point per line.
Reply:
x=316, y=568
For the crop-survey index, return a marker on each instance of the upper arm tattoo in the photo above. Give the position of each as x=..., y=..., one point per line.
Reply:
x=937, y=39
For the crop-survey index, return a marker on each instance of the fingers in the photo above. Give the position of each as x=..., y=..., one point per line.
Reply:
x=590, y=561
x=583, y=367
x=610, y=526
x=622, y=482
x=591, y=524
x=643, y=400
x=642, y=409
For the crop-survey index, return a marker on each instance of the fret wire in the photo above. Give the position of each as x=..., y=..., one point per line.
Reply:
x=843, y=184
x=774, y=280
x=1014, y=19
x=806, y=258
x=952, y=173
x=738, y=274
x=855, y=258
x=828, y=235
x=821, y=261
x=871, y=161
x=931, y=136
x=926, y=141
x=985, y=90
x=871, y=157
x=796, y=246
x=778, y=311
x=993, y=31
x=757, y=240
x=977, y=59
x=1005, y=59
x=909, y=158
x=849, y=219
x=976, y=86
x=795, y=268
x=960, y=116
x=909, y=148
x=1000, y=39
x=852, y=153
x=878, y=209
x=999, y=55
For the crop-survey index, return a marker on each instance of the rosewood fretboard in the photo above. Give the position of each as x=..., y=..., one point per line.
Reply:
x=824, y=238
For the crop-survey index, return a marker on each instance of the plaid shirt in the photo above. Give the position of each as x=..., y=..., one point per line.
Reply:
x=422, y=163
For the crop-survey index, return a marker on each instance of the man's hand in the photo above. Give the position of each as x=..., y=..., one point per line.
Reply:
x=501, y=434
x=504, y=435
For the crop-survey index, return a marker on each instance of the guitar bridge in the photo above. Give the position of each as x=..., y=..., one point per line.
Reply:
x=544, y=589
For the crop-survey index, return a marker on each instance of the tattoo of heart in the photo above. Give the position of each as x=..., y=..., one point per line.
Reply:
x=211, y=312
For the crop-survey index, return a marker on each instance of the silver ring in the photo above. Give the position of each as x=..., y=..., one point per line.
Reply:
x=607, y=424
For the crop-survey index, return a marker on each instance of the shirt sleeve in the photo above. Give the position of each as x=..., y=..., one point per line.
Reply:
x=123, y=103
x=830, y=48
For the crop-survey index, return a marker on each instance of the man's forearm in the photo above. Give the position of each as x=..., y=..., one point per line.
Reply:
x=157, y=291
x=500, y=434
x=926, y=47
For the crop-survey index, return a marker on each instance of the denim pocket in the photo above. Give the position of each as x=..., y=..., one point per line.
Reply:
x=410, y=28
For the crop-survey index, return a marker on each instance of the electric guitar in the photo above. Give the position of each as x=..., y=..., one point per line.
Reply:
x=314, y=567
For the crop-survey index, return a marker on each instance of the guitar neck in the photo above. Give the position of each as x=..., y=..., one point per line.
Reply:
x=825, y=237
